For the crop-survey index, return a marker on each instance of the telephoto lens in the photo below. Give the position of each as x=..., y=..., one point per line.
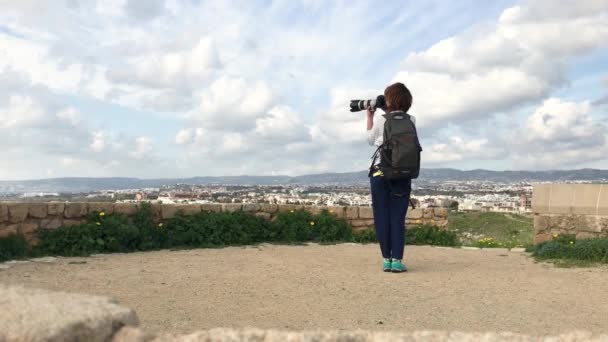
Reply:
x=359, y=105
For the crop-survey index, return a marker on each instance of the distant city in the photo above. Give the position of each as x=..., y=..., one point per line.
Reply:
x=504, y=192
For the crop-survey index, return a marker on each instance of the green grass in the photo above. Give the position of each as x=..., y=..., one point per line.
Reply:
x=492, y=229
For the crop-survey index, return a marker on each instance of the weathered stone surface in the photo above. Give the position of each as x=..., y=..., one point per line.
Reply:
x=428, y=213
x=125, y=208
x=231, y=207
x=517, y=250
x=315, y=210
x=29, y=227
x=287, y=207
x=3, y=212
x=156, y=211
x=168, y=211
x=468, y=248
x=250, y=335
x=264, y=215
x=440, y=212
x=338, y=211
x=351, y=213
x=38, y=210
x=586, y=235
x=6, y=230
x=75, y=210
x=211, y=207
x=55, y=208
x=17, y=212
x=37, y=315
x=251, y=207
x=269, y=208
x=72, y=222
x=189, y=209
x=51, y=222
x=366, y=212
x=415, y=213
x=362, y=223
x=540, y=238
x=132, y=334
x=101, y=207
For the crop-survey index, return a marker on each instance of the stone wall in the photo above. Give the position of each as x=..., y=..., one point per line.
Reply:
x=27, y=218
x=577, y=209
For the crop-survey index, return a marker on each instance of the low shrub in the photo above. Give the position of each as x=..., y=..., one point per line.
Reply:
x=566, y=247
x=430, y=235
x=365, y=236
x=13, y=247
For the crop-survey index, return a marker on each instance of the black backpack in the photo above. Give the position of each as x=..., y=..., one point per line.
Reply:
x=400, y=151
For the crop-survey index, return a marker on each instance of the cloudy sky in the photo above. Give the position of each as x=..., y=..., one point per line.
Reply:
x=178, y=88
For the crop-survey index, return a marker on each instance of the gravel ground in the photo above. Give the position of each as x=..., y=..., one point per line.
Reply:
x=335, y=287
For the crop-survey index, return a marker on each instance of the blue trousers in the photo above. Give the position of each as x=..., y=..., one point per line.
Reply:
x=389, y=214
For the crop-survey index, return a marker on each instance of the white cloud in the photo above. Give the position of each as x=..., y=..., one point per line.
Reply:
x=494, y=68
x=99, y=141
x=183, y=137
x=143, y=147
x=21, y=111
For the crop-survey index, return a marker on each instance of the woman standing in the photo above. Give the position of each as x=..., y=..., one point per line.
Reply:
x=389, y=210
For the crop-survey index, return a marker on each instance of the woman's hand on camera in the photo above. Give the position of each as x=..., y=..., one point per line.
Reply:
x=370, y=111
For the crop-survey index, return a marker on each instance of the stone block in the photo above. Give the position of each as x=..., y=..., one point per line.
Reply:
x=540, y=238
x=315, y=210
x=51, y=222
x=4, y=212
x=338, y=211
x=362, y=223
x=269, y=208
x=73, y=222
x=55, y=208
x=189, y=209
x=415, y=214
x=156, y=211
x=287, y=207
x=17, y=212
x=101, y=207
x=602, y=201
x=562, y=198
x=586, y=235
x=517, y=250
x=264, y=215
x=128, y=209
x=75, y=210
x=366, y=212
x=440, y=212
x=168, y=211
x=231, y=207
x=211, y=207
x=585, y=198
x=541, y=196
x=428, y=213
x=541, y=223
x=251, y=207
x=351, y=213
x=38, y=210
x=40, y=315
x=6, y=230
x=28, y=227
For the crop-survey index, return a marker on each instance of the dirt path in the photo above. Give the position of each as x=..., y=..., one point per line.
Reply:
x=335, y=287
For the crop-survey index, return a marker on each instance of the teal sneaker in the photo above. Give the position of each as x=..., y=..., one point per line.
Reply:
x=387, y=265
x=397, y=266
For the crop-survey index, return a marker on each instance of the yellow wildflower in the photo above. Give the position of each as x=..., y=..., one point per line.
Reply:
x=331, y=211
x=99, y=224
x=102, y=214
x=571, y=242
x=555, y=235
x=160, y=225
x=312, y=223
x=291, y=211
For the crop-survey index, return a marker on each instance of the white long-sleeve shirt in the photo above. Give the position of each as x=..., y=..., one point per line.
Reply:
x=375, y=134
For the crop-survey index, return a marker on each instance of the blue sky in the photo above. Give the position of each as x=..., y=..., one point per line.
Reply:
x=170, y=88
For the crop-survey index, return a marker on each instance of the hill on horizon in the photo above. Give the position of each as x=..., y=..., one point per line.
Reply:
x=85, y=184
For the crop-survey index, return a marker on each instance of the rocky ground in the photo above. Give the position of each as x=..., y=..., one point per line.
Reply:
x=333, y=287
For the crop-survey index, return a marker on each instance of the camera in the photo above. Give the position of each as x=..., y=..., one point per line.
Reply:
x=359, y=105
